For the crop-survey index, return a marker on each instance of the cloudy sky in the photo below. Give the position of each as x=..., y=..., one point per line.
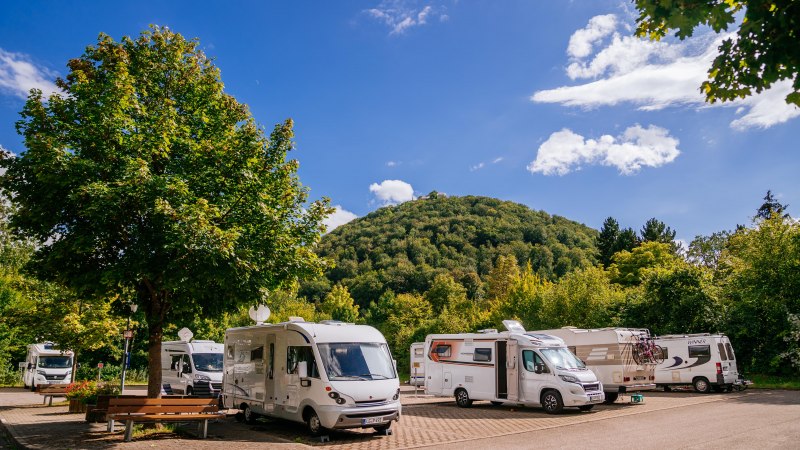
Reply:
x=552, y=104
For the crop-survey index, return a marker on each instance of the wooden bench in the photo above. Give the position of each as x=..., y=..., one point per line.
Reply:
x=130, y=410
x=48, y=391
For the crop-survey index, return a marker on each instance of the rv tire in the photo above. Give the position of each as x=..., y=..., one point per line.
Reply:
x=462, y=398
x=551, y=402
x=189, y=390
x=701, y=385
x=248, y=415
x=384, y=430
x=33, y=386
x=611, y=397
x=313, y=423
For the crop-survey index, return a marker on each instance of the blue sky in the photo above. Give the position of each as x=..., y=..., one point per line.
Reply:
x=551, y=104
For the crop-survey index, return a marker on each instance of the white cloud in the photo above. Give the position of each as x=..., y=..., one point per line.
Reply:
x=340, y=216
x=18, y=75
x=391, y=163
x=637, y=147
x=478, y=166
x=391, y=192
x=497, y=160
x=654, y=75
x=401, y=15
x=581, y=42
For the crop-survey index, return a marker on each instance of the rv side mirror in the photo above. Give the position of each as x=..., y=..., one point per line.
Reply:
x=538, y=368
x=302, y=369
x=22, y=365
x=30, y=366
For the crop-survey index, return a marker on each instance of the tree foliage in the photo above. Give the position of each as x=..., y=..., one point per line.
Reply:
x=763, y=52
x=145, y=180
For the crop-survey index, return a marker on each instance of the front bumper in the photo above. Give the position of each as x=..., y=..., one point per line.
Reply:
x=583, y=398
x=354, y=417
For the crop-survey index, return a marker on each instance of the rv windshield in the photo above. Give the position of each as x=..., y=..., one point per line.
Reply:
x=207, y=362
x=562, y=358
x=55, y=362
x=357, y=361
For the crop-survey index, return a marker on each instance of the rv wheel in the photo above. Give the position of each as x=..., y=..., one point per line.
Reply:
x=611, y=397
x=384, y=430
x=702, y=385
x=248, y=415
x=462, y=398
x=552, y=403
x=314, y=425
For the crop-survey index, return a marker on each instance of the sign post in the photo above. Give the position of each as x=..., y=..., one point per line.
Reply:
x=99, y=371
x=126, y=357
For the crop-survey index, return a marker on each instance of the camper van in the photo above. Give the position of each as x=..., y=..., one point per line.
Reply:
x=192, y=367
x=612, y=355
x=46, y=364
x=705, y=361
x=513, y=366
x=417, y=367
x=327, y=375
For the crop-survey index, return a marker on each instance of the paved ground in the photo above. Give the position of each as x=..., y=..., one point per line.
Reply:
x=665, y=420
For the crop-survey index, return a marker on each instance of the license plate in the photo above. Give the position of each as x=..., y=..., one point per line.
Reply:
x=595, y=398
x=639, y=378
x=371, y=420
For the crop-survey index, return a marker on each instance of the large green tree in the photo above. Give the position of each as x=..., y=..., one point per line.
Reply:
x=144, y=179
x=763, y=52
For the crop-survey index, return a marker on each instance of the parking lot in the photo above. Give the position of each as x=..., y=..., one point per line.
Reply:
x=664, y=420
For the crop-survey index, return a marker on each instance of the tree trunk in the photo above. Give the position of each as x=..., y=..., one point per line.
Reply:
x=74, y=366
x=156, y=307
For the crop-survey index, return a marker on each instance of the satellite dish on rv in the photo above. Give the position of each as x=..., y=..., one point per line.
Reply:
x=259, y=315
x=185, y=334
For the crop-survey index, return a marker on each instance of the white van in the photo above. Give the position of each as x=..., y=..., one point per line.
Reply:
x=46, y=364
x=192, y=367
x=417, y=367
x=513, y=366
x=705, y=361
x=327, y=375
x=612, y=355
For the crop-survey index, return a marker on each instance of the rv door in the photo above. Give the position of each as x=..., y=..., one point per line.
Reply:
x=512, y=369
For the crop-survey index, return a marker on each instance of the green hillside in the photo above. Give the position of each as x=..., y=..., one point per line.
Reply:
x=402, y=248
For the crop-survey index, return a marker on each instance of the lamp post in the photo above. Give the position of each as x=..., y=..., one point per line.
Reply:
x=126, y=357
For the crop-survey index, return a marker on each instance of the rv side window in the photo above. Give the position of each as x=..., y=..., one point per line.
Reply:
x=176, y=363
x=482, y=354
x=442, y=350
x=731, y=356
x=531, y=359
x=696, y=351
x=418, y=351
x=257, y=353
x=296, y=354
x=721, y=348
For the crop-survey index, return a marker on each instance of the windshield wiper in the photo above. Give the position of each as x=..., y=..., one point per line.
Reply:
x=357, y=377
x=373, y=375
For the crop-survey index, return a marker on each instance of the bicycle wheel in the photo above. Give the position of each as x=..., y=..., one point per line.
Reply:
x=658, y=354
x=636, y=352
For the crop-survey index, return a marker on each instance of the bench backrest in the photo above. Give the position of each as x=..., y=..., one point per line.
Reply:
x=52, y=388
x=161, y=405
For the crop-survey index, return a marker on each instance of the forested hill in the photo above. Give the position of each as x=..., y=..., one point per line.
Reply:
x=403, y=247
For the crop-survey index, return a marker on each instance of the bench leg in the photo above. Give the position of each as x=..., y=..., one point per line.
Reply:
x=202, y=429
x=51, y=401
x=110, y=426
x=128, y=430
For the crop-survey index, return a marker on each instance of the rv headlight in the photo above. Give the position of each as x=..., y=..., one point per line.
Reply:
x=568, y=378
x=41, y=372
x=396, y=394
x=201, y=377
x=340, y=401
x=334, y=395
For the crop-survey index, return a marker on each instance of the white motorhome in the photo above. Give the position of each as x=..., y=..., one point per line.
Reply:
x=46, y=364
x=512, y=366
x=611, y=353
x=705, y=361
x=327, y=375
x=417, y=367
x=192, y=367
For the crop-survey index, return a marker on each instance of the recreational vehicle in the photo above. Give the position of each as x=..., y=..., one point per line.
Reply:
x=46, y=364
x=417, y=371
x=705, y=361
x=327, y=375
x=192, y=367
x=614, y=356
x=512, y=366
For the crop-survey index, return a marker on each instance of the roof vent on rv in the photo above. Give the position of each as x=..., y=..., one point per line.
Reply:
x=296, y=319
x=513, y=326
x=49, y=346
x=332, y=322
x=488, y=331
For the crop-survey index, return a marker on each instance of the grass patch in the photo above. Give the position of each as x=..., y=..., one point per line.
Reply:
x=150, y=430
x=774, y=382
